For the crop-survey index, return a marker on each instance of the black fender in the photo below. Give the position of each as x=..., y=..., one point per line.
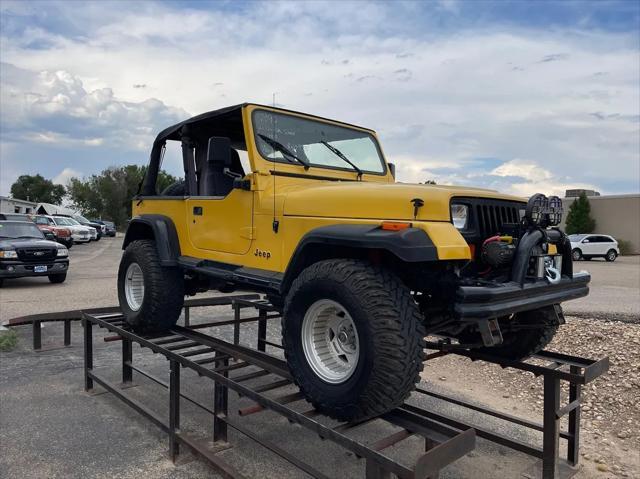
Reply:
x=410, y=245
x=159, y=228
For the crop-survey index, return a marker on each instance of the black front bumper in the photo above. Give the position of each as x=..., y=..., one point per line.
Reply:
x=474, y=303
x=20, y=269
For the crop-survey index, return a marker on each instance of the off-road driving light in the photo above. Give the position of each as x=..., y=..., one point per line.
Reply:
x=536, y=207
x=554, y=210
x=63, y=252
x=460, y=216
x=8, y=254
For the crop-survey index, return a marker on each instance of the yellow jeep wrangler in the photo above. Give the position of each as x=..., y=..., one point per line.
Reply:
x=307, y=211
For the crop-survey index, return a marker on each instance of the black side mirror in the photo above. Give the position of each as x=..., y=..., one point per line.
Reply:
x=392, y=169
x=219, y=151
x=49, y=236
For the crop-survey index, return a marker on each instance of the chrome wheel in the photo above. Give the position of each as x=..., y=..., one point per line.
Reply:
x=330, y=341
x=576, y=255
x=134, y=286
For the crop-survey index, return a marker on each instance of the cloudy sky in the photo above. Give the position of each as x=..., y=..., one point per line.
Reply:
x=521, y=96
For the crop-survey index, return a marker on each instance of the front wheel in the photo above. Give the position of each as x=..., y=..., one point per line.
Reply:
x=576, y=254
x=611, y=255
x=57, y=278
x=353, y=338
x=150, y=296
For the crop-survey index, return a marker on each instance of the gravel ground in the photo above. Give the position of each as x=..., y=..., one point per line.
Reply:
x=610, y=414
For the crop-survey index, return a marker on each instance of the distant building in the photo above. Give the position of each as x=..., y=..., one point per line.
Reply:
x=615, y=215
x=49, y=209
x=14, y=205
x=577, y=192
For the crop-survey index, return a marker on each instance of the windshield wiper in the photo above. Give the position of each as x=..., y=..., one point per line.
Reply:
x=342, y=156
x=277, y=146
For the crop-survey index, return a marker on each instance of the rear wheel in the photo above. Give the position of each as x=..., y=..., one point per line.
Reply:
x=611, y=255
x=525, y=333
x=58, y=278
x=151, y=296
x=353, y=338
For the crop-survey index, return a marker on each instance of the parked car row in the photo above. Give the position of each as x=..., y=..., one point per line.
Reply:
x=38, y=245
x=66, y=230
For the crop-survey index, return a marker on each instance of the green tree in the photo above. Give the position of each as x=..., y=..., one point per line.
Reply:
x=430, y=182
x=579, y=218
x=108, y=195
x=38, y=189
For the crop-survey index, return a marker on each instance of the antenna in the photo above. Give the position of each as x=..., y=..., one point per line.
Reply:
x=276, y=223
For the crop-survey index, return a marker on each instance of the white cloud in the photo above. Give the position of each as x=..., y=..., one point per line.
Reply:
x=53, y=107
x=65, y=175
x=524, y=169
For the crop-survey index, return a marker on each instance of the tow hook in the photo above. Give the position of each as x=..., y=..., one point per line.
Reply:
x=552, y=273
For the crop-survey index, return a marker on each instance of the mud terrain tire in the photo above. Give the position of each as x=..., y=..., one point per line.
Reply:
x=163, y=289
x=390, y=336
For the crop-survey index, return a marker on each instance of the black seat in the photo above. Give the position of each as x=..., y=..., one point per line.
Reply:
x=213, y=179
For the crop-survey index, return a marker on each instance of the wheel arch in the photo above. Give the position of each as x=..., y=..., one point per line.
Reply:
x=391, y=248
x=159, y=228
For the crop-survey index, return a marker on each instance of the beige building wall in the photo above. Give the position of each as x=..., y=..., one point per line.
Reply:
x=615, y=215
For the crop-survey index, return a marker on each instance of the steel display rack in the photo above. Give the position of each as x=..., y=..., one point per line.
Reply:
x=264, y=379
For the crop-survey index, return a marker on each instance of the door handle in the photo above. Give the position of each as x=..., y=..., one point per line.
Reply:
x=197, y=210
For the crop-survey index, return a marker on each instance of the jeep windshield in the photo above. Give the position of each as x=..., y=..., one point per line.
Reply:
x=316, y=143
x=16, y=229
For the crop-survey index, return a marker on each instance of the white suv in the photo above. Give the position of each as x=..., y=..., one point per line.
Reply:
x=593, y=246
x=79, y=233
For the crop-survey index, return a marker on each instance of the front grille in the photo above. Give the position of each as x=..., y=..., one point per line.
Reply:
x=34, y=255
x=492, y=217
x=487, y=216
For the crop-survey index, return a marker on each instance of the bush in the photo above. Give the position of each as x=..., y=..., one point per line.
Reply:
x=624, y=246
x=8, y=340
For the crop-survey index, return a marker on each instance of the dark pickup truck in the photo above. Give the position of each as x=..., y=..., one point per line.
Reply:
x=24, y=251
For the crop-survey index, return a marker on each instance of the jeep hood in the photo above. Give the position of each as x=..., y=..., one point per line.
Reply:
x=384, y=201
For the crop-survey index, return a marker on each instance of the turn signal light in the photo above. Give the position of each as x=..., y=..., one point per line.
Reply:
x=395, y=226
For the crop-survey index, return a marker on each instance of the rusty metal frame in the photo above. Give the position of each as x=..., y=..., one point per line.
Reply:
x=234, y=366
x=443, y=444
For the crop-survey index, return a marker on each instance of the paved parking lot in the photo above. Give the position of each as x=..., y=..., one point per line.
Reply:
x=49, y=428
x=615, y=290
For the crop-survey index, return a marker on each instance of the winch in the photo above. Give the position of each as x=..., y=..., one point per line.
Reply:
x=498, y=251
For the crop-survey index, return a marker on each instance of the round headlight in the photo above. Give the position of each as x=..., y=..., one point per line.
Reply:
x=536, y=208
x=554, y=210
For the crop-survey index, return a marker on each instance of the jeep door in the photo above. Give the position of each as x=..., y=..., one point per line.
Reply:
x=221, y=223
